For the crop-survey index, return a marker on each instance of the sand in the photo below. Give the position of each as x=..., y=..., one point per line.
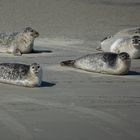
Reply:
x=71, y=104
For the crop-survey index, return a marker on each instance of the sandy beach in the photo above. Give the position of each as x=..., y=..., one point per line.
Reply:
x=71, y=104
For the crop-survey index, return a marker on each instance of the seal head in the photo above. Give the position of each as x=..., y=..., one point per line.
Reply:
x=31, y=31
x=124, y=56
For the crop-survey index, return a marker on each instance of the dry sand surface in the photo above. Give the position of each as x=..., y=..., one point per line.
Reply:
x=71, y=104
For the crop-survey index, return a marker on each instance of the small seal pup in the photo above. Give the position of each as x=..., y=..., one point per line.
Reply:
x=21, y=74
x=106, y=62
x=129, y=44
x=18, y=43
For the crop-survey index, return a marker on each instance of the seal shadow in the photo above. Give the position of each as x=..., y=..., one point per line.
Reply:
x=133, y=73
x=47, y=84
x=41, y=51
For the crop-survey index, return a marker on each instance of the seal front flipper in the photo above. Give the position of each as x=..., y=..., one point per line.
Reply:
x=105, y=38
x=17, y=52
x=69, y=63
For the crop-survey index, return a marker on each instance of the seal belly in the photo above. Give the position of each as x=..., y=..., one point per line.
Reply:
x=25, y=45
x=10, y=81
x=22, y=82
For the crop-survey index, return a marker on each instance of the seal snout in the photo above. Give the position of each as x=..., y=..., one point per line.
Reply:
x=36, y=34
x=35, y=68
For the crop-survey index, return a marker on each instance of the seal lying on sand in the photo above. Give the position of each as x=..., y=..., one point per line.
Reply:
x=106, y=62
x=18, y=43
x=129, y=44
x=21, y=74
x=125, y=32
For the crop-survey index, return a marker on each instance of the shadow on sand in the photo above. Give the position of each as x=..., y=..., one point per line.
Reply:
x=47, y=84
x=133, y=73
x=41, y=51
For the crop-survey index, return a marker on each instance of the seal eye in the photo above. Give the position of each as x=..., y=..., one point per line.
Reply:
x=33, y=67
x=38, y=67
x=32, y=31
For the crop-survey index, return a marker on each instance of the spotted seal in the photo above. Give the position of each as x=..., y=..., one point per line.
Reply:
x=125, y=32
x=130, y=32
x=106, y=62
x=18, y=43
x=21, y=74
x=129, y=44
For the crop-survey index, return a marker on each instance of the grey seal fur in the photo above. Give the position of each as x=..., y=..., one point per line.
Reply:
x=21, y=74
x=18, y=43
x=106, y=62
x=135, y=31
x=130, y=32
x=129, y=44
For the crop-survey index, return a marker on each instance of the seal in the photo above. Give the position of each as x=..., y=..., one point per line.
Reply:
x=129, y=44
x=18, y=43
x=130, y=32
x=106, y=63
x=21, y=74
x=125, y=32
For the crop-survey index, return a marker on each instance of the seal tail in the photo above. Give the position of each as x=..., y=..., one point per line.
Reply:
x=69, y=63
x=99, y=48
x=105, y=38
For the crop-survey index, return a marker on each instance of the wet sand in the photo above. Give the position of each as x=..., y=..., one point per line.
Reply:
x=71, y=104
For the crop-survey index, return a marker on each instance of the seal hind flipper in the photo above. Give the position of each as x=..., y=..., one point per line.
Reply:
x=68, y=63
x=105, y=38
x=99, y=48
x=17, y=52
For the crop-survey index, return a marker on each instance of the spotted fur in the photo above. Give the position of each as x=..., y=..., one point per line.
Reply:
x=18, y=43
x=107, y=62
x=21, y=74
